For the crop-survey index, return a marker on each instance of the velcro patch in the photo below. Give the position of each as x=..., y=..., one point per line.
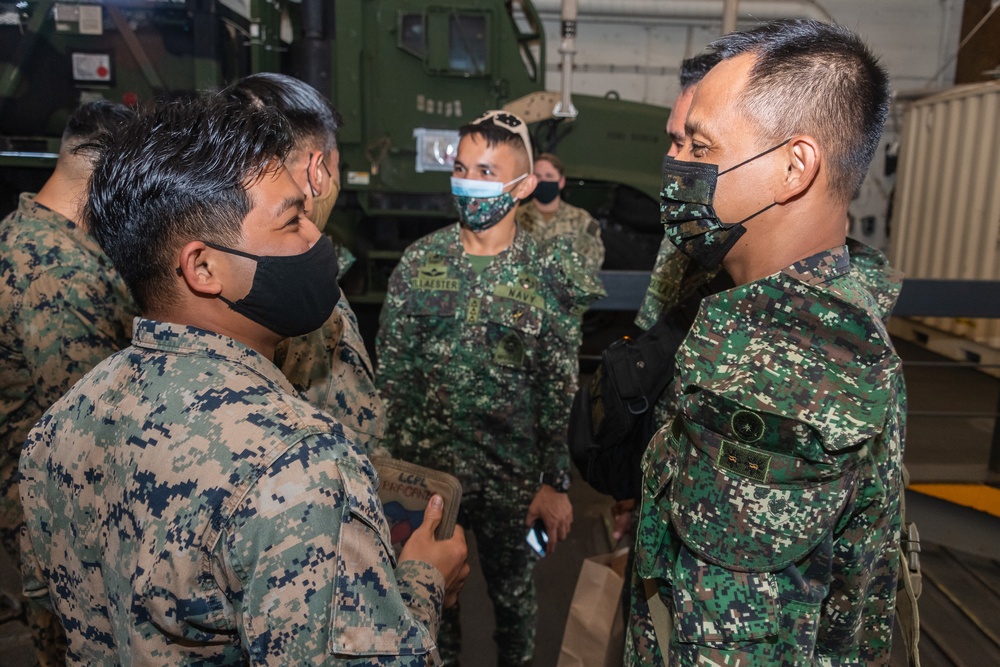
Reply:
x=510, y=351
x=472, y=313
x=435, y=277
x=523, y=294
x=744, y=461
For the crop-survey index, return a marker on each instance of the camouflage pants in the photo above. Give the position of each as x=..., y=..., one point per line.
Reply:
x=46, y=629
x=496, y=517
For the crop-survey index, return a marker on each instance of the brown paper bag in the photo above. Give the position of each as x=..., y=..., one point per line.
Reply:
x=595, y=632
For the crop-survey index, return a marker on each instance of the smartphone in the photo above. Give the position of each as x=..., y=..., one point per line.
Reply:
x=538, y=538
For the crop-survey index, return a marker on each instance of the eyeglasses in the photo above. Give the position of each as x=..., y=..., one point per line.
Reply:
x=511, y=123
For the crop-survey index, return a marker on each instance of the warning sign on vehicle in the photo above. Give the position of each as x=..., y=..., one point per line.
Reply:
x=92, y=67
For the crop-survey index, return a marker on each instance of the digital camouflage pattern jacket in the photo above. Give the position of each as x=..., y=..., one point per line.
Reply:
x=570, y=223
x=478, y=372
x=673, y=279
x=65, y=309
x=869, y=266
x=770, y=514
x=331, y=369
x=184, y=506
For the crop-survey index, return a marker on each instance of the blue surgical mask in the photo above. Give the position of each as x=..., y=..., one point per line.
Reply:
x=468, y=187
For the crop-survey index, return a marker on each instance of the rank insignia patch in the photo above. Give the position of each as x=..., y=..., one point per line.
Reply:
x=744, y=461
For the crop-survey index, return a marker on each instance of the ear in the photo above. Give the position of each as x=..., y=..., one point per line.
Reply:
x=525, y=187
x=562, y=182
x=803, y=158
x=198, y=269
x=316, y=174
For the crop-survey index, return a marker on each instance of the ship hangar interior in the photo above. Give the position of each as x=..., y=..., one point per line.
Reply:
x=931, y=202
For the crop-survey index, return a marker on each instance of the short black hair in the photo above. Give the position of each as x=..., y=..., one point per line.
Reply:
x=314, y=121
x=694, y=69
x=89, y=122
x=92, y=119
x=179, y=172
x=819, y=79
x=495, y=135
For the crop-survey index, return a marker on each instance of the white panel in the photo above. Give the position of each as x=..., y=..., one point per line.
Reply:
x=946, y=221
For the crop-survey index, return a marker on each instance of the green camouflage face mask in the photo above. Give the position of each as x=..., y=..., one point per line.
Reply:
x=481, y=213
x=482, y=204
x=688, y=216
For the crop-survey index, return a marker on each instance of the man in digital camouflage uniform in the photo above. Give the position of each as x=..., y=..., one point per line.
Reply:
x=330, y=366
x=770, y=515
x=675, y=279
x=65, y=309
x=183, y=505
x=477, y=367
x=669, y=284
x=548, y=218
x=665, y=291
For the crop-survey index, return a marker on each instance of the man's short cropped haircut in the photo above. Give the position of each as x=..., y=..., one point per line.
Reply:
x=694, y=69
x=492, y=129
x=89, y=122
x=818, y=79
x=554, y=160
x=179, y=172
x=313, y=120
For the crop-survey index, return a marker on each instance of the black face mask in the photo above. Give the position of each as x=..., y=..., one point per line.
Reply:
x=291, y=295
x=688, y=214
x=546, y=191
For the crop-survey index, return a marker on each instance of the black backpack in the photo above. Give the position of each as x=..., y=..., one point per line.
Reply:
x=612, y=417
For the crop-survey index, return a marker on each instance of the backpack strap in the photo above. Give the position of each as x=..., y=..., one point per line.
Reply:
x=659, y=615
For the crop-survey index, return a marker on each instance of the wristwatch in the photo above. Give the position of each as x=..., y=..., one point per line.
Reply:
x=559, y=481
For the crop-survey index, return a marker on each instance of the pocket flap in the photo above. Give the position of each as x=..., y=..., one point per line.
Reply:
x=714, y=604
x=369, y=616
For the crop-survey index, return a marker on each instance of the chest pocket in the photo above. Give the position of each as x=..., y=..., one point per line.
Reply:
x=369, y=616
x=434, y=289
x=431, y=313
x=512, y=331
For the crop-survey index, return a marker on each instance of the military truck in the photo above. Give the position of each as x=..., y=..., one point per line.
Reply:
x=404, y=73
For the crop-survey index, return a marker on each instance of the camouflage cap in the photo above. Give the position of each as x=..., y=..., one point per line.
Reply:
x=512, y=123
x=743, y=496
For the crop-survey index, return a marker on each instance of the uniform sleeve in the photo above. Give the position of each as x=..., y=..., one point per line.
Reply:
x=313, y=578
x=71, y=324
x=664, y=283
x=589, y=242
x=556, y=385
x=33, y=580
x=575, y=279
x=307, y=364
x=675, y=277
x=31, y=483
x=331, y=370
x=395, y=353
